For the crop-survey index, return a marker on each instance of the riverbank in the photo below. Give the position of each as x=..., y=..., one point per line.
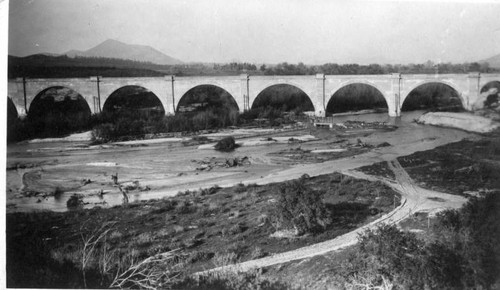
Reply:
x=211, y=227
x=224, y=199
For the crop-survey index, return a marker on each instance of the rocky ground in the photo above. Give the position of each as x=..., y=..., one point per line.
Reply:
x=217, y=226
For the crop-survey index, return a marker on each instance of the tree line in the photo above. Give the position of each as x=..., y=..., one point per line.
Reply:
x=45, y=66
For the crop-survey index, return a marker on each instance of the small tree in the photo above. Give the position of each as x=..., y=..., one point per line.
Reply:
x=302, y=208
x=226, y=144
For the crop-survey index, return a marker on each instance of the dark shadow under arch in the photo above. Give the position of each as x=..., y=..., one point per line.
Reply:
x=492, y=99
x=434, y=96
x=58, y=101
x=284, y=97
x=491, y=85
x=356, y=97
x=133, y=100
x=12, y=121
x=57, y=111
x=206, y=97
x=12, y=114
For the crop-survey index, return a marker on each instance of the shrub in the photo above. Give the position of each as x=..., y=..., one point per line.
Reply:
x=237, y=228
x=224, y=259
x=301, y=207
x=462, y=252
x=75, y=201
x=226, y=144
x=240, y=187
x=184, y=207
x=385, y=256
x=257, y=253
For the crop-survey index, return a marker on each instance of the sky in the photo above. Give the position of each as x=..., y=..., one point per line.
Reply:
x=264, y=31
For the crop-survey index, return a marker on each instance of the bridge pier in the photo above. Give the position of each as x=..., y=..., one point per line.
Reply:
x=474, y=80
x=394, y=101
x=245, y=88
x=321, y=98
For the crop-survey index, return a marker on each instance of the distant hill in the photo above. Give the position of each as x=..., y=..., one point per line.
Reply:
x=62, y=66
x=493, y=61
x=117, y=49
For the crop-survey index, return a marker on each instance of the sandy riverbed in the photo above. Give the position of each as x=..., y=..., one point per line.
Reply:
x=165, y=167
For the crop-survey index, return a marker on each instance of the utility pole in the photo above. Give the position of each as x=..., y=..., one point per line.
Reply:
x=97, y=79
x=24, y=93
x=173, y=93
x=99, y=93
x=248, y=94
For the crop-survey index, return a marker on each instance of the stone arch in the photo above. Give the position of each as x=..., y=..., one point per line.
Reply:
x=291, y=84
x=58, y=110
x=58, y=94
x=357, y=82
x=489, y=85
x=134, y=98
x=451, y=85
x=212, y=91
x=489, y=95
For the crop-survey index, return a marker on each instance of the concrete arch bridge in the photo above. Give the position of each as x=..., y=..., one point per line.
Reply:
x=320, y=88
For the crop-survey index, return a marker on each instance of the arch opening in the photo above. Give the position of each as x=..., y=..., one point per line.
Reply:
x=433, y=96
x=206, y=98
x=490, y=95
x=12, y=114
x=12, y=121
x=207, y=107
x=283, y=98
x=57, y=111
x=356, y=97
x=133, y=101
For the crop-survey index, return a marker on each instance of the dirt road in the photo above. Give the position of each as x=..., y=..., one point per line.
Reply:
x=413, y=199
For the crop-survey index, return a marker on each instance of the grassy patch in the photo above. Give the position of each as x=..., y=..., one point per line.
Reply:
x=209, y=227
x=462, y=167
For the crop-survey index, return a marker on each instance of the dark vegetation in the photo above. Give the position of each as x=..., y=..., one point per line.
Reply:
x=434, y=96
x=205, y=97
x=356, y=97
x=195, y=230
x=204, y=107
x=491, y=85
x=136, y=99
x=463, y=168
x=493, y=99
x=301, y=208
x=45, y=66
x=226, y=144
x=54, y=112
x=132, y=112
x=460, y=251
x=284, y=98
x=458, y=168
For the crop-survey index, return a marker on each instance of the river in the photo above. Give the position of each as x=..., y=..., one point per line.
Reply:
x=169, y=166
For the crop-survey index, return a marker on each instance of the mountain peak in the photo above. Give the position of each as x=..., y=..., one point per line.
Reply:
x=493, y=61
x=116, y=49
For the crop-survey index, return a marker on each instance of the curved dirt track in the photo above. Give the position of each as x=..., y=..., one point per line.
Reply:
x=413, y=199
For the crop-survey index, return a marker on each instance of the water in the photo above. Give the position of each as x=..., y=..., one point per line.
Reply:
x=167, y=168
